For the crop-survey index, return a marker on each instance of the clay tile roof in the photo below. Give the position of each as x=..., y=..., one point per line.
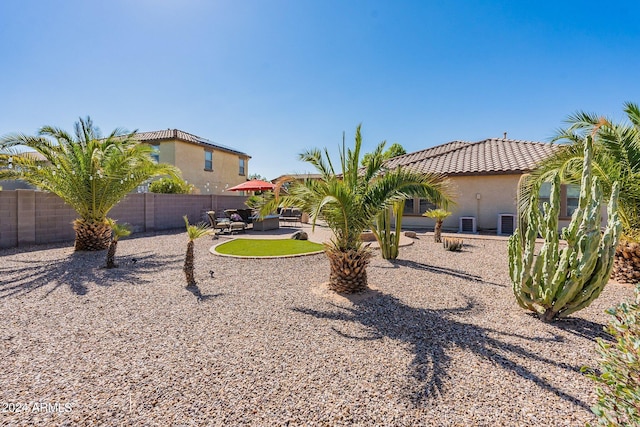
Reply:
x=491, y=156
x=170, y=134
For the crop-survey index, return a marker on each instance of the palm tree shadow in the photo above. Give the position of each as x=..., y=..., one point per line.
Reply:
x=431, y=334
x=195, y=290
x=78, y=270
x=443, y=270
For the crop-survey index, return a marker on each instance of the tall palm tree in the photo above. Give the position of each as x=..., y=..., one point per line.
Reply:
x=349, y=202
x=616, y=158
x=193, y=232
x=89, y=172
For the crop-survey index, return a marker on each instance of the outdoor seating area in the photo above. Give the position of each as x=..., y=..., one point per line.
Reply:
x=231, y=223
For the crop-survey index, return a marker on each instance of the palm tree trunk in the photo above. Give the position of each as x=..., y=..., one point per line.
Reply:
x=626, y=267
x=437, y=231
x=91, y=235
x=188, y=265
x=348, y=270
x=111, y=254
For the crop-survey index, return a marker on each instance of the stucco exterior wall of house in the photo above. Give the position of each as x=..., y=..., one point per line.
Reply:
x=190, y=158
x=168, y=152
x=497, y=195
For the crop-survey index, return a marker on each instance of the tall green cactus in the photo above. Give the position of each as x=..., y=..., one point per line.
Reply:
x=557, y=282
x=388, y=240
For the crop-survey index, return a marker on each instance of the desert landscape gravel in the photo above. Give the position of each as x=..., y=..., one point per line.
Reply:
x=438, y=341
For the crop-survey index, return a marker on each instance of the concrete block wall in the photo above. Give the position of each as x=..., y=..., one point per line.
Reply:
x=131, y=210
x=28, y=216
x=8, y=219
x=52, y=218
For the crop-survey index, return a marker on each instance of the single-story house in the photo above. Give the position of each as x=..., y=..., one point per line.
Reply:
x=210, y=166
x=484, y=177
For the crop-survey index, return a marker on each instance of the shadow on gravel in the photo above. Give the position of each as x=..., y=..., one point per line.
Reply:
x=195, y=290
x=77, y=270
x=582, y=328
x=443, y=270
x=431, y=334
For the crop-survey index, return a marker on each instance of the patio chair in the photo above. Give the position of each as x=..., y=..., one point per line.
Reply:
x=293, y=215
x=237, y=223
x=224, y=225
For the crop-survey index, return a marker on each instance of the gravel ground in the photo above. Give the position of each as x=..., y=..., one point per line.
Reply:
x=439, y=342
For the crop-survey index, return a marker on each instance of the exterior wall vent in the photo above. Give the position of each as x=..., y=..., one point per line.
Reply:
x=506, y=224
x=467, y=224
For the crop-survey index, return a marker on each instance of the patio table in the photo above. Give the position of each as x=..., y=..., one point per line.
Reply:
x=269, y=222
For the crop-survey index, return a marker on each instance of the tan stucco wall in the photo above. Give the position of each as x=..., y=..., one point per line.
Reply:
x=497, y=196
x=189, y=158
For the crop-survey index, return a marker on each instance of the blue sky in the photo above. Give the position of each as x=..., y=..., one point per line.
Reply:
x=274, y=77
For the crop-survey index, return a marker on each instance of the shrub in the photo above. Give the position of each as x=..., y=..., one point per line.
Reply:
x=452, y=244
x=619, y=379
x=171, y=186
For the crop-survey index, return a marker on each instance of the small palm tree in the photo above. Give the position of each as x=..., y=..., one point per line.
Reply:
x=193, y=232
x=439, y=215
x=350, y=201
x=118, y=231
x=89, y=172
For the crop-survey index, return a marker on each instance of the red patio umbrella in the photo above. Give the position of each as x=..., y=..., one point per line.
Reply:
x=253, y=185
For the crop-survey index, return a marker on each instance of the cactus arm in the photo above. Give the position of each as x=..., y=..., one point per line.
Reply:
x=585, y=261
x=516, y=271
x=549, y=251
x=602, y=271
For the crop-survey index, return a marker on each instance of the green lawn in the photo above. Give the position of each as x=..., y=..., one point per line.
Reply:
x=267, y=247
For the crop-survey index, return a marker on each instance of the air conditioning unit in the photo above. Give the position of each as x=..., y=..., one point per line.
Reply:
x=467, y=224
x=506, y=224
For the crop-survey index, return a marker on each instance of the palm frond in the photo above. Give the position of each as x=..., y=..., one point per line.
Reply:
x=349, y=202
x=90, y=174
x=195, y=231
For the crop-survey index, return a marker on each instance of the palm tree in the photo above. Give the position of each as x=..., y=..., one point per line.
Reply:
x=439, y=215
x=89, y=172
x=616, y=158
x=193, y=232
x=350, y=201
x=118, y=231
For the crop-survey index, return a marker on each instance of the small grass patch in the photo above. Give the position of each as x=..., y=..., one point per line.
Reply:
x=267, y=247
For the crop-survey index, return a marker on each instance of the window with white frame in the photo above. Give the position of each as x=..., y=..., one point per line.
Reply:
x=241, y=166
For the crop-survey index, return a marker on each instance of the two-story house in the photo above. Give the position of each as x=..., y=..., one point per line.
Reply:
x=211, y=167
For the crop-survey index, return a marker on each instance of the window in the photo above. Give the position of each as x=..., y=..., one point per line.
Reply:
x=545, y=194
x=241, y=167
x=208, y=160
x=425, y=205
x=573, y=196
x=408, y=207
x=155, y=153
x=569, y=198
